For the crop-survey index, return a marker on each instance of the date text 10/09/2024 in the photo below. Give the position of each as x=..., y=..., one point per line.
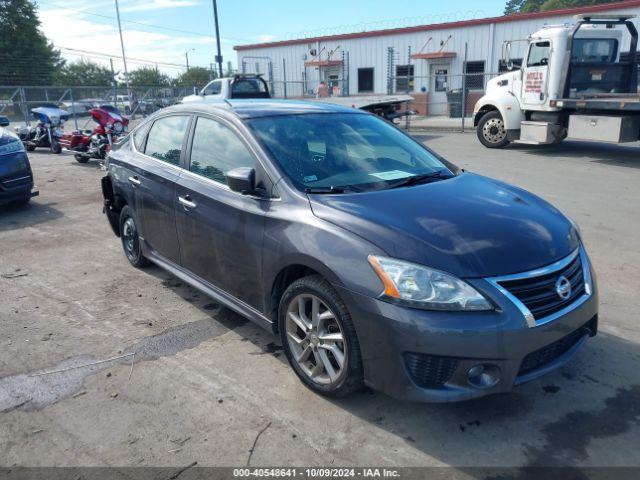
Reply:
x=316, y=473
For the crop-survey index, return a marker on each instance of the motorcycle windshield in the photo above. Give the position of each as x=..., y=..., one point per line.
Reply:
x=50, y=115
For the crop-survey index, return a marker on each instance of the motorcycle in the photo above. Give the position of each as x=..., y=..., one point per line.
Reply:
x=47, y=131
x=96, y=143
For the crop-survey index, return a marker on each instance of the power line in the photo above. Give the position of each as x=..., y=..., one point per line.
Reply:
x=118, y=57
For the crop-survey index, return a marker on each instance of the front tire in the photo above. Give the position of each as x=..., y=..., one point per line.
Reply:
x=55, y=147
x=81, y=158
x=491, y=130
x=319, y=337
x=131, y=239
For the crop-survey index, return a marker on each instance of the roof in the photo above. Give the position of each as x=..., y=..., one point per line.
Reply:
x=605, y=7
x=263, y=108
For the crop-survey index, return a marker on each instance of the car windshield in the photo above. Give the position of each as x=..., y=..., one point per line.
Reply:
x=348, y=151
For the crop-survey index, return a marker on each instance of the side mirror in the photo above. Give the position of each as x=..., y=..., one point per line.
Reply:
x=242, y=180
x=4, y=121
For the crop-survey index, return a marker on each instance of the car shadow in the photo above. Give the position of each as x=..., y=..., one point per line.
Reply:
x=604, y=153
x=547, y=422
x=14, y=217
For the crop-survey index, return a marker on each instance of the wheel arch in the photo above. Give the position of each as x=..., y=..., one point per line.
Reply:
x=113, y=204
x=288, y=274
x=508, y=107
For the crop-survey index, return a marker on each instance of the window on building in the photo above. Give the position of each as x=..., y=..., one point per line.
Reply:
x=539, y=54
x=166, y=138
x=365, y=80
x=475, y=75
x=503, y=67
x=216, y=150
x=404, y=78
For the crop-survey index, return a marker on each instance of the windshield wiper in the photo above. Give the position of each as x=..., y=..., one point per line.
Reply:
x=326, y=190
x=415, y=179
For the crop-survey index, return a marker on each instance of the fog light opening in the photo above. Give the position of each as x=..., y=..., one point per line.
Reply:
x=484, y=375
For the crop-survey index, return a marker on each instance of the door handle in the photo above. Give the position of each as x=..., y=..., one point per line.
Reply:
x=186, y=202
x=135, y=181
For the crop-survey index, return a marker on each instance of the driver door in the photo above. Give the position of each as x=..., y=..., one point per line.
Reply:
x=536, y=74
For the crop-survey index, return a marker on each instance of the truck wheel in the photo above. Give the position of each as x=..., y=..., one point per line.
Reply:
x=491, y=131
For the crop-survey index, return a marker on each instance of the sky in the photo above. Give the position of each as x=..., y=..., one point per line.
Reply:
x=163, y=30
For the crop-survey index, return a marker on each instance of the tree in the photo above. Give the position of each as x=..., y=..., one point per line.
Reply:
x=524, y=6
x=26, y=57
x=195, y=77
x=83, y=73
x=148, y=76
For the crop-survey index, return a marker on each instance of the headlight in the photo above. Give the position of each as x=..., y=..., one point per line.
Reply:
x=423, y=287
x=117, y=127
x=11, y=147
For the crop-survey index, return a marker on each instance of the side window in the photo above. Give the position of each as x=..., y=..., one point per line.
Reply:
x=139, y=136
x=166, y=137
x=539, y=54
x=213, y=88
x=216, y=150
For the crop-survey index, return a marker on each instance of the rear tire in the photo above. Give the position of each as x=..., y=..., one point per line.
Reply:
x=322, y=347
x=491, y=130
x=131, y=239
x=31, y=148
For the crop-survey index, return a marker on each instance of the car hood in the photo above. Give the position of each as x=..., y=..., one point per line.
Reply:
x=468, y=225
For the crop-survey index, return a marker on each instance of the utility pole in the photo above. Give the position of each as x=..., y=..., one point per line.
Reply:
x=113, y=79
x=186, y=55
x=219, y=56
x=124, y=57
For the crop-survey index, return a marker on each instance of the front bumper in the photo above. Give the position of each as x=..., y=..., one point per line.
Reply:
x=395, y=340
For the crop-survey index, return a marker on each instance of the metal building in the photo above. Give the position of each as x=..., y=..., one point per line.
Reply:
x=427, y=61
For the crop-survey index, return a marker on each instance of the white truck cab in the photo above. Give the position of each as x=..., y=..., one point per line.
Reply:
x=238, y=86
x=572, y=83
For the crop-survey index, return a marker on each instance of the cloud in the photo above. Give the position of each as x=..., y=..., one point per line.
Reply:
x=266, y=38
x=158, y=5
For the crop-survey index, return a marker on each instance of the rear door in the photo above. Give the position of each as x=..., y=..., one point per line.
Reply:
x=536, y=74
x=220, y=231
x=155, y=184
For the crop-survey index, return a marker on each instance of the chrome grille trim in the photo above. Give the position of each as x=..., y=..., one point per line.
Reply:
x=538, y=272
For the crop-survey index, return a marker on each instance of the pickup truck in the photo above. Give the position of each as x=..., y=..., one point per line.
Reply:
x=573, y=83
x=254, y=86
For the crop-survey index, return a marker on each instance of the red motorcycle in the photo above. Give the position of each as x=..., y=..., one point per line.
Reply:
x=96, y=143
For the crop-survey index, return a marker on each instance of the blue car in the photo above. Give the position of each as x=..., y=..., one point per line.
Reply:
x=16, y=177
x=377, y=261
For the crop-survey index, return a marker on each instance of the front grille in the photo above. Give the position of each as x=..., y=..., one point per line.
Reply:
x=429, y=371
x=548, y=354
x=539, y=294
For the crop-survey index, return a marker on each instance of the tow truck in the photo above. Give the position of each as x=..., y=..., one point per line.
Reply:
x=573, y=84
x=254, y=86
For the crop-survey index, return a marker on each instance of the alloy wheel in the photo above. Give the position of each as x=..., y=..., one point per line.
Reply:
x=316, y=339
x=493, y=130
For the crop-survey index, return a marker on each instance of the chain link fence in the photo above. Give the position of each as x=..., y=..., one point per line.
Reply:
x=441, y=94
x=16, y=102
